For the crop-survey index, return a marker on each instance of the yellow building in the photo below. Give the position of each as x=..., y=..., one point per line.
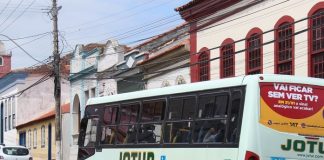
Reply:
x=38, y=135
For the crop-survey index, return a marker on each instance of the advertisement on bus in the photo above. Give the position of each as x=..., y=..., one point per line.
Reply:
x=293, y=108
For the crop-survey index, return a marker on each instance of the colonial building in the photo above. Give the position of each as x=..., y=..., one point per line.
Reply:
x=86, y=63
x=40, y=134
x=240, y=37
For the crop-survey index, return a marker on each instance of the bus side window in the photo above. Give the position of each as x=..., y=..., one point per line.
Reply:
x=108, y=133
x=179, y=122
x=233, y=119
x=91, y=132
x=127, y=129
x=150, y=130
x=211, y=118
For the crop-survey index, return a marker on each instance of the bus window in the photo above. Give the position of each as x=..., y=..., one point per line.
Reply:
x=179, y=123
x=91, y=132
x=233, y=119
x=126, y=131
x=108, y=132
x=211, y=119
x=151, y=126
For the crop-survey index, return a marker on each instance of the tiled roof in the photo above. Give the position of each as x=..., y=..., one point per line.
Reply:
x=92, y=46
x=51, y=114
x=165, y=52
x=188, y=5
x=46, y=68
x=159, y=36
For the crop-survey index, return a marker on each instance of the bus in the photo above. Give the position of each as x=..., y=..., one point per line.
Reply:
x=255, y=117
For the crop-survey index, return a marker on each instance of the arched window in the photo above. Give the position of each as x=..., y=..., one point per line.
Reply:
x=227, y=59
x=203, y=65
x=254, y=50
x=316, y=41
x=1, y=61
x=284, y=46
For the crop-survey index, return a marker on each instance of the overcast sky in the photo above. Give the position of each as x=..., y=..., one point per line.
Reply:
x=82, y=22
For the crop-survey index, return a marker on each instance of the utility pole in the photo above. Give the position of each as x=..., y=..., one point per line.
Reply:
x=57, y=82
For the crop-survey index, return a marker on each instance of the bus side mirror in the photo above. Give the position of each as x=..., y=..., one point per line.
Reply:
x=83, y=126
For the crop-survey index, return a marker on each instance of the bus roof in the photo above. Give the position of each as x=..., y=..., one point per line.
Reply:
x=206, y=85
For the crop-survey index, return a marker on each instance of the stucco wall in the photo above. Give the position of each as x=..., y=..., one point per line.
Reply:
x=171, y=77
x=39, y=99
x=265, y=19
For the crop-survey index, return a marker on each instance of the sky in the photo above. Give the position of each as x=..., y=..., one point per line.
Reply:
x=29, y=23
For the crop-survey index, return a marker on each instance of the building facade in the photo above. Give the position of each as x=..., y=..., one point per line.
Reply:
x=87, y=62
x=40, y=134
x=250, y=37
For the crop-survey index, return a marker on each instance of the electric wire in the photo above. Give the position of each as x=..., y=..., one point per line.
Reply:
x=13, y=11
x=21, y=14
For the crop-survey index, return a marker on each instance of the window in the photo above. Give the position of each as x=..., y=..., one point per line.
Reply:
x=1, y=61
x=254, y=52
x=227, y=59
x=15, y=151
x=109, y=135
x=211, y=118
x=127, y=129
x=179, y=121
x=6, y=120
x=35, y=138
x=316, y=38
x=86, y=96
x=91, y=132
x=43, y=136
x=93, y=92
x=29, y=139
x=284, y=46
x=9, y=123
x=204, y=65
x=13, y=112
x=13, y=121
x=6, y=115
x=150, y=129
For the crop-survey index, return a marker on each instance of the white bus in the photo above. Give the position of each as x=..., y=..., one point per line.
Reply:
x=258, y=117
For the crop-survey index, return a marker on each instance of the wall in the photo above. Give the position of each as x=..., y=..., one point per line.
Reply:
x=66, y=134
x=265, y=19
x=170, y=77
x=6, y=67
x=39, y=99
x=39, y=152
x=113, y=54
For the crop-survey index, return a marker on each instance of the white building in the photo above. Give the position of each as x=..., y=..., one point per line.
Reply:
x=25, y=94
x=86, y=64
x=241, y=37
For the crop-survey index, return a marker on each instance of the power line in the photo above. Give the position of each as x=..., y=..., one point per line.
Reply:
x=211, y=18
x=109, y=16
x=213, y=59
x=22, y=13
x=6, y=6
x=21, y=48
x=26, y=37
x=124, y=17
x=13, y=11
